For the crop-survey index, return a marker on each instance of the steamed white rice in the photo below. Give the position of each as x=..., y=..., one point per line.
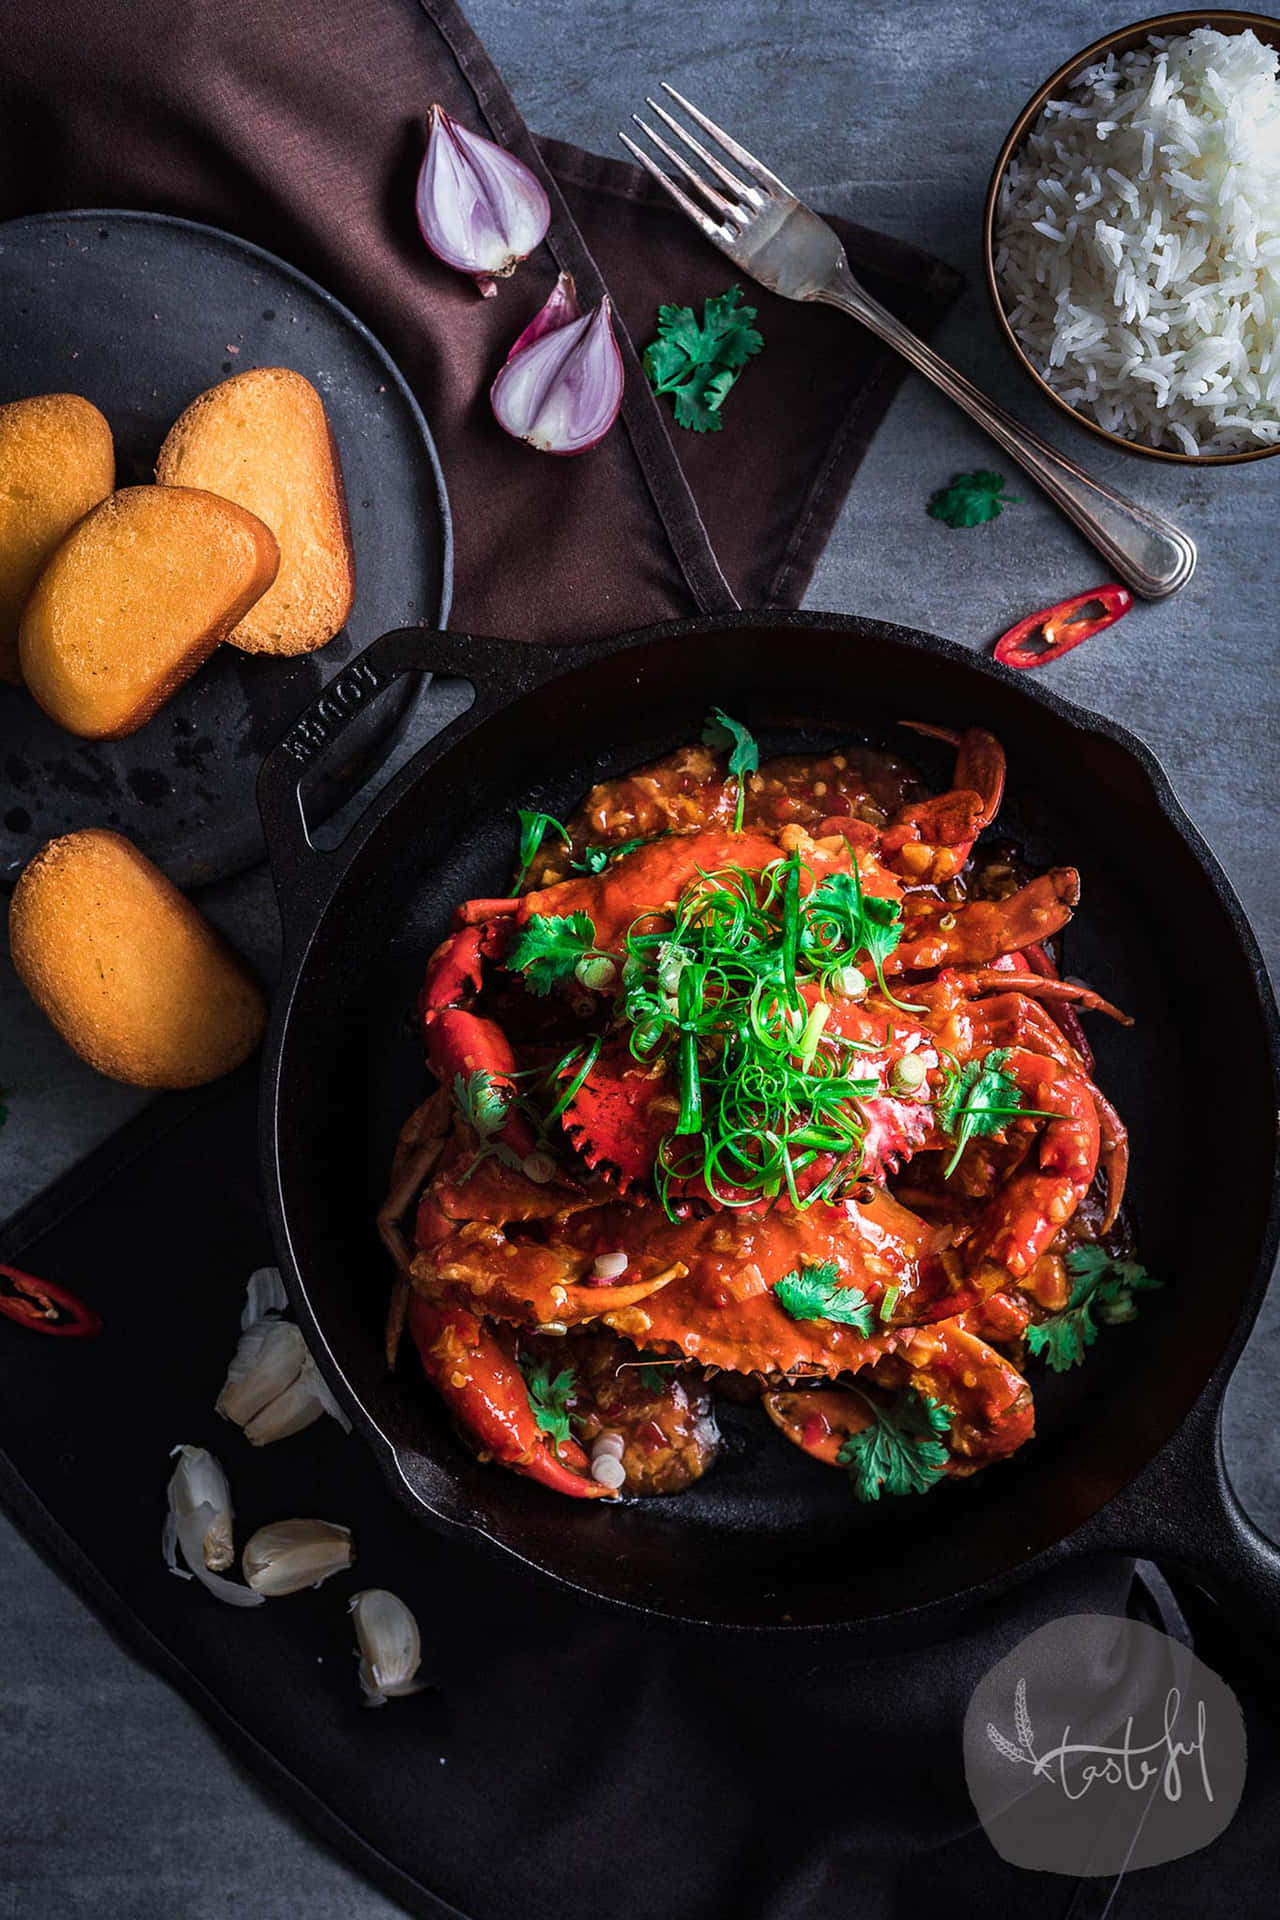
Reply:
x=1138, y=244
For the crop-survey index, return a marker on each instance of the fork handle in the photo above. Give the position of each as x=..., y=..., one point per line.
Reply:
x=1148, y=552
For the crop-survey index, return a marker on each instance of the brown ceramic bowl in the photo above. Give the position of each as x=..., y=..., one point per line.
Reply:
x=1124, y=40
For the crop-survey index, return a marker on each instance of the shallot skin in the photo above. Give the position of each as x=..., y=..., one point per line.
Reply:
x=480, y=210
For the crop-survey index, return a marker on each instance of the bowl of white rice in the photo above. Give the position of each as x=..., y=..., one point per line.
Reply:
x=1132, y=237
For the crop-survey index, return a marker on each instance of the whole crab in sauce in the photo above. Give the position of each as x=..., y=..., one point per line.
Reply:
x=761, y=1084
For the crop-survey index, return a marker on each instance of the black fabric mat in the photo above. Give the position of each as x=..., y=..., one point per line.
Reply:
x=567, y=1762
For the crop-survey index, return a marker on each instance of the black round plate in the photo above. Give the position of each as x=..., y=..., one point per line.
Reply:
x=140, y=313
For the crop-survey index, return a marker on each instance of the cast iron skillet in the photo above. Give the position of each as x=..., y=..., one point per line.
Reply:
x=1127, y=1454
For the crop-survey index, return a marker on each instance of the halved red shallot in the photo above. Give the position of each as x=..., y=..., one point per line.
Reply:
x=561, y=388
x=479, y=208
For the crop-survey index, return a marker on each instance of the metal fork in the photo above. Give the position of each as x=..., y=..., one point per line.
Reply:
x=788, y=248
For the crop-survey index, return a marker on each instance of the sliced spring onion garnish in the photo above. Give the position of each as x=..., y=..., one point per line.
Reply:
x=727, y=994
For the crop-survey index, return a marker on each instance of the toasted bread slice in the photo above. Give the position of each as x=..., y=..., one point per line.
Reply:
x=56, y=461
x=134, y=599
x=128, y=970
x=262, y=439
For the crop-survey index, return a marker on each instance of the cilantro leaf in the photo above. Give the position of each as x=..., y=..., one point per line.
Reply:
x=550, y=946
x=695, y=403
x=720, y=731
x=534, y=828
x=1104, y=1286
x=484, y=1104
x=977, y=1100
x=902, y=1450
x=1062, y=1339
x=970, y=499
x=844, y=921
x=731, y=326
x=815, y=1293
x=549, y=1398
x=596, y=859
x=699, y=364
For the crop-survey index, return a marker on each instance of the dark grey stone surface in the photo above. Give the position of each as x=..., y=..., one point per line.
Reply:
x=116, y=1798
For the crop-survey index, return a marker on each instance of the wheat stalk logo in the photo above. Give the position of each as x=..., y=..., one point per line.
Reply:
x=1024, y=1754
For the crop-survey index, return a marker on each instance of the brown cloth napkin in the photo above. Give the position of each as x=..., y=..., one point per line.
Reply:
x=302, y=129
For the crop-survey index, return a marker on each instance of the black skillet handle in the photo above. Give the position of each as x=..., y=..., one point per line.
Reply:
x=498, y=670
x=1183, y=1511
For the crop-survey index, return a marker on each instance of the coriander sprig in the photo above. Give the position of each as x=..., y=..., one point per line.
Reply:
x=1103, y=1285
x=970, y=499
x=979, y=1098
x=550, y=1397
x=902, y=1450
x=744, y=755
x=550, y=946
x=698, y=364
x=816, y=1292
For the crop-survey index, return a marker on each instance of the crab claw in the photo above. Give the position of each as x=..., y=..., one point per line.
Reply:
x=461, y=1043
x=485, y=1391
x=620, y=1116
x=454, y=970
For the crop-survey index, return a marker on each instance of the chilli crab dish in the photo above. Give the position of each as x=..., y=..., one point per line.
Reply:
x=762, y=1084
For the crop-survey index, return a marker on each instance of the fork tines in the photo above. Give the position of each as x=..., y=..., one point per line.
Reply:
x=734, y=214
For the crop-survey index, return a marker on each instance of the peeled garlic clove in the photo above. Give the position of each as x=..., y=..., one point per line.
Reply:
x=268, y=1359
x=289, y=1555
x=561, y=394
x=389, y=1645
x=297, y=1407
x=479, y=208
x=264, y=1294
x=199, y=1525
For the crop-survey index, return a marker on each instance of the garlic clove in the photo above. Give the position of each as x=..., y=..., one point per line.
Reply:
x=562, y=393
x=199, y=1524
x=479, y=208
x=264, y=1294
x=268, y=1359
x=299, y=1406
x=390, y=1648
x=289, y=1555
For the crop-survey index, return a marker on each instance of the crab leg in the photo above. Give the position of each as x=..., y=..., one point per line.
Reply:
x=818, y=1419
x=486, y=1393
x=421, y=1142
x=989, y=1401
x=1026, y=1212
x=980, y=931
x=1037, y=961
x=1037, y=986
x=930, y=840
x=1113, y=1157
x=979, y=761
